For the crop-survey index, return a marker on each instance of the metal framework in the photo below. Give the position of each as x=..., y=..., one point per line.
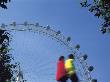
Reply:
x=84, y=69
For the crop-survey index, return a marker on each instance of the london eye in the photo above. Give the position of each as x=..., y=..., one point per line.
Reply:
x=45, y=64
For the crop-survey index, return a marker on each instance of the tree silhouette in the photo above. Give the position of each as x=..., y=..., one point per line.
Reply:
x=101, y=9
x=3, y=3
x=6, y=67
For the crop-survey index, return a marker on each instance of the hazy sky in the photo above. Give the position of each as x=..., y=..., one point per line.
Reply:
x=38, y=54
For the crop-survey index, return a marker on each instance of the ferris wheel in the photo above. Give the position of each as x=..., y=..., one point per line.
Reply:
x=83, y=69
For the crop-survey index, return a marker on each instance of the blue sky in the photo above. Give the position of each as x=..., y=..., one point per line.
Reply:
x=36, y=52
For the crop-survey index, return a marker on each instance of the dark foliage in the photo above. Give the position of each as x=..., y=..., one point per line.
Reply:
x=6, y=68
x=101, y=9
x=3, y=3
